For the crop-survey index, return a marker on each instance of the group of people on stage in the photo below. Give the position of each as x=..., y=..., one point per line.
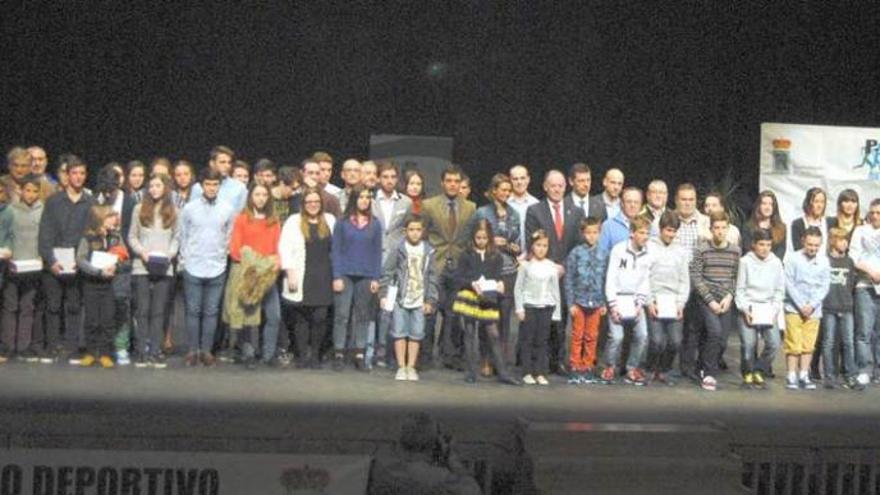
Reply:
x=273, y=265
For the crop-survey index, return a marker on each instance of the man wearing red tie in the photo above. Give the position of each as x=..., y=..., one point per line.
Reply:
x=560, y=218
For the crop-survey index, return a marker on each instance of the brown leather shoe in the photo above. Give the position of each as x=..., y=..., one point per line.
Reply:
x=167, y=344
x=486, y=370
x=208, y=359
x=192, y=359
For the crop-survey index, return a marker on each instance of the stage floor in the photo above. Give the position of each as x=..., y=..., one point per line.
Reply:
x=41, y=398
x=322, y=412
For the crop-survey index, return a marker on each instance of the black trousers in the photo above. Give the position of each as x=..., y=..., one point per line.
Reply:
x=534, y=336
x=472, y=345
x=100, y=318
x=20, y=312
x=690, y=344
x=310, y=329
x=559, y=348
x=152, y=296
x=64, y=293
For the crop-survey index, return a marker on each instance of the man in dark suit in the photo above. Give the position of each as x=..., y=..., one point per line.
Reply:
x=558, y=216
x=580, y=178
x=609, y=198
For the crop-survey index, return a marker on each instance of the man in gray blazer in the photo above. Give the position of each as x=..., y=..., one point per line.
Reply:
x=390, y=207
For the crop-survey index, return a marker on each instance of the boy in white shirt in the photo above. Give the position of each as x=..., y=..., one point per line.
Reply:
x=627, y=286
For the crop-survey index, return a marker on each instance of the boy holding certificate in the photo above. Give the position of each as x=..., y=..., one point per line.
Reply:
x=760, y=290
x=408, y=290
x=807, y=279
x=627, y=287
x=670, y=288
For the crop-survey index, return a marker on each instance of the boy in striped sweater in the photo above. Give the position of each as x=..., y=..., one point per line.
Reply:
x=713, y=276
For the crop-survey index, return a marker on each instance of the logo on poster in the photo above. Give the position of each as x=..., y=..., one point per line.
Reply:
x=871, y=159
x=781, y=152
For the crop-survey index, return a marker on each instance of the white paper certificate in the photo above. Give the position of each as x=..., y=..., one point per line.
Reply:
x=488, y=285
x=390, y=299
x=67, y=258
x=27, y=266
x=103, y=259
x=626, y=307
x=667, y=309
x=763, y=314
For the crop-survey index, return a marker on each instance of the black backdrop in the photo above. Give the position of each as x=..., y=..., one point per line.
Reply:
x=668, y=89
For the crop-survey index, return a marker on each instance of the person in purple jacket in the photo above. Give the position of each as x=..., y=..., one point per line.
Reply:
x=356, y=254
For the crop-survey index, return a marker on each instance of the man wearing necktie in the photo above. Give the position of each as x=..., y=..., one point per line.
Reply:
x=580, y=178
x=560, y=218
x=446, y=217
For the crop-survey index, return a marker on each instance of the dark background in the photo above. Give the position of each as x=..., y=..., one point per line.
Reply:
x=662, y=89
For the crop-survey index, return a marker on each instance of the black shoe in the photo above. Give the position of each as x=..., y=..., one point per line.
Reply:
x=509, y=380
x=852, y=383
x=722, y=364
x=28, y=356
x=315, y=364
x=74, y=358
x=338, y=362
x=470, y=378
x=226, y=356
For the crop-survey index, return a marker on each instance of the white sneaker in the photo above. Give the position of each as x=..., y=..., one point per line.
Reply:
x=542, y=380
x=402, y=374
x=863, y=378
x=122, y=358
x=529, y=380
x=412, y=375
x=709, y=384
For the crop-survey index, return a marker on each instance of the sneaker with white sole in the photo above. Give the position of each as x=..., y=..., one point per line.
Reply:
x=863, y=378
x=402, y=374
x=122, y=358
x=542, y=380
x=807, y=384
x=412, y=375
x=529, y=380
x=792, y=383
x=709, y=383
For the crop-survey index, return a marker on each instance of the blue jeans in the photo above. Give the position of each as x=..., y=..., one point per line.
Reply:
x=408, y=323
x=834, y=324
x=272, y=313
x=748, y=337
x=354, y=302
x=716, y=328
x=639, y=328
x=202, y=308
x=665, y=342
x=867, y=323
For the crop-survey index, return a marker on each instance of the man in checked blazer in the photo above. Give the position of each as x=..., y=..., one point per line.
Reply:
x=545, y=215
x=449, y=238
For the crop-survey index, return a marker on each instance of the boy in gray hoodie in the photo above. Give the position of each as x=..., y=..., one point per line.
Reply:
x=760, y=281
x=670, y=280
